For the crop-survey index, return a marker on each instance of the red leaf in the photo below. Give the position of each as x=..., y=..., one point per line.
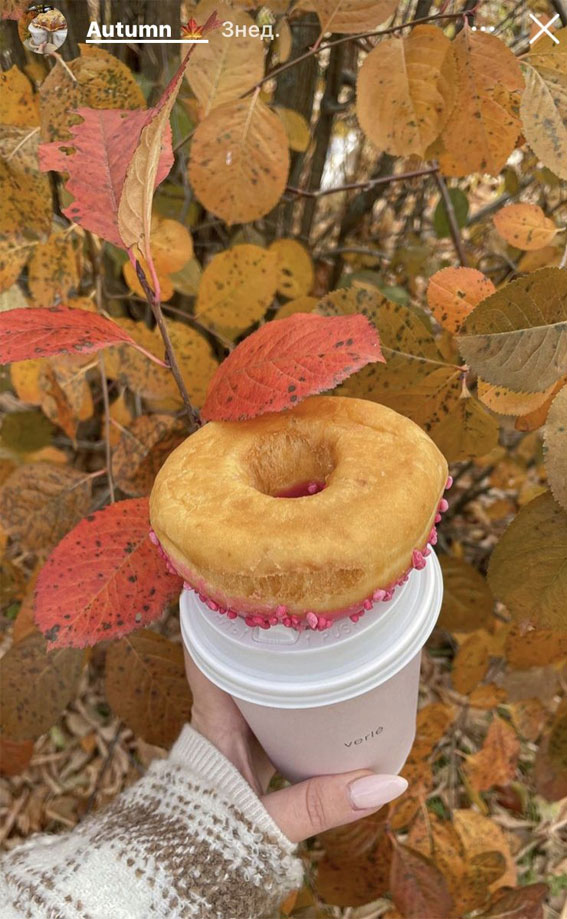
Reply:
x=39, y=332
x=288, y=359
x=104, y=143
x=104, y=579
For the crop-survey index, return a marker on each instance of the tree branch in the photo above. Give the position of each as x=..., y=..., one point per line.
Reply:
x=193, y=414
x=451, y=217
x=370, y=183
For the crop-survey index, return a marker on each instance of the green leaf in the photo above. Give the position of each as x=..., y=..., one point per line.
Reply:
x=460, y=204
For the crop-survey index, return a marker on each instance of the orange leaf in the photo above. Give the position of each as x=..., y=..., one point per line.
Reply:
x=525, y=226
x=496, y=761
x=453, y=293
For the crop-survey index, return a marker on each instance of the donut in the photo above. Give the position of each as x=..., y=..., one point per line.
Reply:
x=300, y=517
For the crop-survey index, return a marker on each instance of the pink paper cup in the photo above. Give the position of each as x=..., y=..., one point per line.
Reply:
x=324, y=702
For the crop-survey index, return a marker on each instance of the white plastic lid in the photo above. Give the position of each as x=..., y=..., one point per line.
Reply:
x=283, y=668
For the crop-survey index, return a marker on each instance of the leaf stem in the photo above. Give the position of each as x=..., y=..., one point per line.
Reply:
x=451, y=217
x=193, y=414
x=107, y=445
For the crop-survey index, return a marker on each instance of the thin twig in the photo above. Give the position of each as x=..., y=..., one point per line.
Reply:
x=194, y=417
x=108, y=448
x=451, y=217
x=370, y=183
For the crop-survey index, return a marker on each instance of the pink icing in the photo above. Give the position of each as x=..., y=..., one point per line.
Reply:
x=312, y=620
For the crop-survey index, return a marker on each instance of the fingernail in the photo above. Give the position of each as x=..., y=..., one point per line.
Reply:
x=375, y=790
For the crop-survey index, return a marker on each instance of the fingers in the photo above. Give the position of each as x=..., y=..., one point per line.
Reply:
x=327, y=801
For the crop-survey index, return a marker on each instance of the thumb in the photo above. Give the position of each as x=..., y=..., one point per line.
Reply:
x=327, y=801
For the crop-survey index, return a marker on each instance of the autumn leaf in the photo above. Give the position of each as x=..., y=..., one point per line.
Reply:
x=146, y=686
x=236, y=288
x=296, y=127
x=40, y=503
x=483, y=127
x=437, y=839
x=14, y=755
x=26, y=213
x=406, y=91
x=527, y=569
x=525, y=226
x=507, y=402
x=36, y=686
x=58, y=386
x=142, y=449
x=479, y=834
x=453, y=293
x=18, y=105
x=351, y=16
x=224, y=70
x=470, y=663
x=535, y=648
x=361, y=875
x=97, y=158
x=551, y=759
x=466, y=431
x=518, y=336
x=297, y=305
x=432, y=723
x=239, y=160
x=286, y=360
x=104, y=579
x=496, y=761
x=295, y=268
x=543, y=108
x=467, y=601
x=95, y=80
x=526, y=902
x=54, y=270
x=35, y=332
x=555, y=438
x=417, y=886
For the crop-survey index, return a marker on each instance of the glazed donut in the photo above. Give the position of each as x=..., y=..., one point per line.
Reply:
x=303, y=516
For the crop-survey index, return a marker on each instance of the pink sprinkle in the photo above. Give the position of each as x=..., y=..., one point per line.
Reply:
x=294, y=620
x=449, y=482
x=425, y=552
x=258, y=620
x=354, y=617
x=212, y=605
x=221, y=610
x=389, y=595
x=433, y=537
x=418, y=560
x=287, y=622
x=153, y=538
x=187, y=585
x=273, y=620
x=443, y=505
x=231, y=614
x=437, y=518
x=264, y=625
x=312, y=620
x=322, y=624
x=379, y=594
x=250, y=620
x=312, y=489
x=281, y=611
x=367, y=604
x=202, y=598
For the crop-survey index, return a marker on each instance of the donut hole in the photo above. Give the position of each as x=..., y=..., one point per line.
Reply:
x=290, y=465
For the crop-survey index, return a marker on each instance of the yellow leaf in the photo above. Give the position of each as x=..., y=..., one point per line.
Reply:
x=54, y=269
x=518, y=336
x=295, y=268
x=131, y=278
x=529, y=717
x=453, y=293
x=351, y=16
x=226, y=68
x=171, y=244
x=239, y=160
x=25, y=192
x=487, y=696
x=406, y=90
x=507, y=402
x=525, y=226
x=298, y=305
x=13, y=257
x=547, y=257
x=100, y=81
x=467, y=601
x=121, y=415
x=142, y=449
x=496, y=761
x=18, y=105
x=471, y=662
x=296, y=128
x=237, y=287
x=284, y=41
x=432, y=723
x=468, y=430
x=483, y=127
x=555, y=439
x=480, y=834
x=527, y=569
x=543, y=108
x=535, y=648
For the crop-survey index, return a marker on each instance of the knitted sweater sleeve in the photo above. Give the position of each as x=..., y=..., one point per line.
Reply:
x=190, y=840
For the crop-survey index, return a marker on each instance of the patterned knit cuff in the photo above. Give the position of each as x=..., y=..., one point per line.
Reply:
x=195, y=752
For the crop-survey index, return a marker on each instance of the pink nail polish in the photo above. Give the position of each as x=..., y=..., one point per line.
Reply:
x=375, y=790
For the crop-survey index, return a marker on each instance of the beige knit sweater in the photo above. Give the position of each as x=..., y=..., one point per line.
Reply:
x=190, y=839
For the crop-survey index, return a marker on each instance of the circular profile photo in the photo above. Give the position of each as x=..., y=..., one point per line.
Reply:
x=43, y=28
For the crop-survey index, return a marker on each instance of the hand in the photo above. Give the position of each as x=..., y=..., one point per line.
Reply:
x=304, y=809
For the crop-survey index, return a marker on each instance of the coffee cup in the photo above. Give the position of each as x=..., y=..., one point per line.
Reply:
x=324, y=702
